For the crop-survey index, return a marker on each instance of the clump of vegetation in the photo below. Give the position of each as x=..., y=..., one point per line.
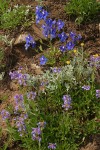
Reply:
x=84, y=10
x=10, y=18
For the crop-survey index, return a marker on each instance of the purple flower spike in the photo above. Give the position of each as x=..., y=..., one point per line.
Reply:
x=52, y=146
x=70, y=45
x=86, y=87
x=19, y=103
x=36, y=132
x=95, y=61
x=31, y=95
x=67, y=102
x=98, y=93
x=5, y=114
x=20, y=124
x=43, y=60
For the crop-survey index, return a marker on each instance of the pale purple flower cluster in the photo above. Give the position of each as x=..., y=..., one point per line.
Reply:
x=43, y=83
x=31, y=95
x=52, y=146
x=98, y=93
x=19, y=103
x=29, y=42
x=21, y=78
x=20, y=124
x=56, y=70
x=36, y=132
x=67, y=102
x=5, y=114
x=86, y=87
x=95, y=61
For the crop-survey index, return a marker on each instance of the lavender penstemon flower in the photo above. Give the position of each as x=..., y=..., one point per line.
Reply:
x=95, y=61
x=17, y=75
x=52, y=146
x=36, y=132
x=56, y=70
x=31, y=95
x=67, y=102
x=43, y=60
x=5, y=114
x=20, y=124
x=29, y=42
x=86, y=87
x=19, y=102
x=98, y=93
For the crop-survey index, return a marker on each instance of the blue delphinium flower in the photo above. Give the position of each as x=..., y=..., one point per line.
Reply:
x=62, y=36
x=49, y=28
x=50, y=22
x=67, y=102
x=75, y=37
x=62, y=48
x=79, y=37
x=72, y=35
x=52, y=33
x=41, y=14
x=43, y=60
x=70, y=45
x=29, y=42
x=52, y=146
x=86, y=87
x=60, y=25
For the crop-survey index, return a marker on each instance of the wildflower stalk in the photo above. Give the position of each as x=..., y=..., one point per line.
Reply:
x=39, y=145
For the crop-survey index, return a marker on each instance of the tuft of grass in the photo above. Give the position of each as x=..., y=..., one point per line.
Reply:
x=84, y=10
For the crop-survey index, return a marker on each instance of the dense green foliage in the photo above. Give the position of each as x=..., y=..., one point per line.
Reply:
x=84, y=10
